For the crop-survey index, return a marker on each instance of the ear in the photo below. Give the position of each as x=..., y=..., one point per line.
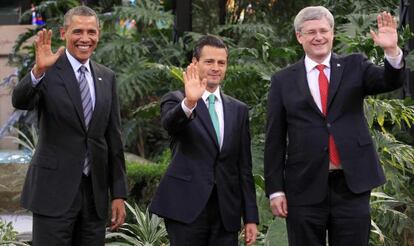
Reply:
x=194, y=60
x=62, y=33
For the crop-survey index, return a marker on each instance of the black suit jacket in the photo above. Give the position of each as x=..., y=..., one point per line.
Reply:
x=296, y=149
x=55, y=172
x=198, y=163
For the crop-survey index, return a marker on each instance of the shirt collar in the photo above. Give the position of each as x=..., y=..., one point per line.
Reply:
x=75, y=63
x=216, y=93
x=311, y=64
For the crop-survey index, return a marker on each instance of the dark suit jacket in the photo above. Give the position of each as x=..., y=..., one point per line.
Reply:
x=55, y=172
x=296, y=149
x=197, y=164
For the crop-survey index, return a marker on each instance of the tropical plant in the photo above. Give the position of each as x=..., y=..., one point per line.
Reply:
x=145, y=230
x=28, y=142
x=8, y=235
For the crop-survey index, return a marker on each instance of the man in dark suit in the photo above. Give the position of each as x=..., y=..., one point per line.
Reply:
x=320, y=160
x=209, y=185
x=79, y=157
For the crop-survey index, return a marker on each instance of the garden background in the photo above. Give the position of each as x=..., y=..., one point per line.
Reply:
x=141, y=43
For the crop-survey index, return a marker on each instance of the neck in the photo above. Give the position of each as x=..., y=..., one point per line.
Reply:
x=318, y=60
x=211, y=88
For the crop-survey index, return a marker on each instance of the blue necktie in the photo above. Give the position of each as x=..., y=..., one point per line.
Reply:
x=87, y=107
x=213, y=115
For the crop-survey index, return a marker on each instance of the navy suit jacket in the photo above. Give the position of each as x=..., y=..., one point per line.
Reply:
x=198, y=164
x=296, y=148
x=55, y=172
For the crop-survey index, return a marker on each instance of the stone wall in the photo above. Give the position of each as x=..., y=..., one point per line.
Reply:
x=7, y=40
x=11, y=183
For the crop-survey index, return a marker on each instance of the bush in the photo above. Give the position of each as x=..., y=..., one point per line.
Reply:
x=143, y=180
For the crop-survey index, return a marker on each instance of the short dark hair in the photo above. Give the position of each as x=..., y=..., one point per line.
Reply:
x=208, y=40
x=78, y=11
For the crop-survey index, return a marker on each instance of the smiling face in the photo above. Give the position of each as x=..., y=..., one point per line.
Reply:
x=316, y=38
x=82, y=36
x=212, y=65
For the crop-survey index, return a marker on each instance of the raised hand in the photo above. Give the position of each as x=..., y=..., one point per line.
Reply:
x=44, y=55
x=194, y=85
x=386, y=37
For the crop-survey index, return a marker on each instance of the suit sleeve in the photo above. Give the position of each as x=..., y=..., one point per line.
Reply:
x=250, y=211
x=116, y=160
x=381, y=79
x=25, y=96
x=275, y=143
x=173, y=117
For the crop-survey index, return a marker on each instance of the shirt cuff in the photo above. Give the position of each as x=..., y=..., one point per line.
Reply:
x=276, y=194
x=35, y=81
x=187, y=111
x=396, y=61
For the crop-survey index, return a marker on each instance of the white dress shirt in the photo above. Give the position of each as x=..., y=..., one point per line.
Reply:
x=218, y=106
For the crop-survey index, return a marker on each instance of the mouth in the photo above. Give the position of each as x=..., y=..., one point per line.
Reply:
x=84, y=47
x=214, y=76
x=319, y=44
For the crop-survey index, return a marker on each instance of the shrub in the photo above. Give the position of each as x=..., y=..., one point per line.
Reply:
x=143, y=180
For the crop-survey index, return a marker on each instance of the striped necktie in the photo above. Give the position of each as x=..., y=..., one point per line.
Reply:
x=85, y=95
x=87, y=107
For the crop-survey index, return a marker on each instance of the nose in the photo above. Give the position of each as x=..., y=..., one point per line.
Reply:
x=84, y=36
x=215, y=66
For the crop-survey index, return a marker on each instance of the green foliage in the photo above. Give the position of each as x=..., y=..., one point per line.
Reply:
x=146, y=230
x=51, y=10
x=148, y=64
x=7, y=232
x=272, y=230
x=8, y=235
x=143, y=180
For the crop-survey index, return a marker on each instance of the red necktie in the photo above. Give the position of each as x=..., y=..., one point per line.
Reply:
x=323, y=90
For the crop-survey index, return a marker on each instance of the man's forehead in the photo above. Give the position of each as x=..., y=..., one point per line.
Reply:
x=215, y=53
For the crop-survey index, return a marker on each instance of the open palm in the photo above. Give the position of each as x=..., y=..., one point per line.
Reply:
x=44, y=55
x=386, y=37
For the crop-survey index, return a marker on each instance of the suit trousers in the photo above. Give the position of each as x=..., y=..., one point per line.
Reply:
x=343, y=214
x=79, y=226
x=206, y=230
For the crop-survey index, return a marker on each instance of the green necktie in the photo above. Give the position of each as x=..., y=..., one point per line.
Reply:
x=213, y=115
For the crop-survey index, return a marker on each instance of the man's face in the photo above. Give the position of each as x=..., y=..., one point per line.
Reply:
x=82, y=36
x=212, y=65
x=316, y=38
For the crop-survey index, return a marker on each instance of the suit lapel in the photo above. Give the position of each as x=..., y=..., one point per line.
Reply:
x=205, y=119
x=71, y=84
x=299, y=72
x=336, y=74
x=99, y=91
x=228, y=112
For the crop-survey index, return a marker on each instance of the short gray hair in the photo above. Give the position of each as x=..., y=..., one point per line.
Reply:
x=79, y=11
x=312, y=13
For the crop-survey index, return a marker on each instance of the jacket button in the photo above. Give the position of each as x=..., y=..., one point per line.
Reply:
x=328, y=125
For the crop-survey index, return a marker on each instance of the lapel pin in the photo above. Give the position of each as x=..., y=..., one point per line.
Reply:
x=99, y=78
x=338, y=65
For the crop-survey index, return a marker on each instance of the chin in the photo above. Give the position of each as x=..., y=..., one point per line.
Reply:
x=212, y=84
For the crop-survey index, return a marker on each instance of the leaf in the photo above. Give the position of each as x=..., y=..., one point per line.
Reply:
x=277, y=233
